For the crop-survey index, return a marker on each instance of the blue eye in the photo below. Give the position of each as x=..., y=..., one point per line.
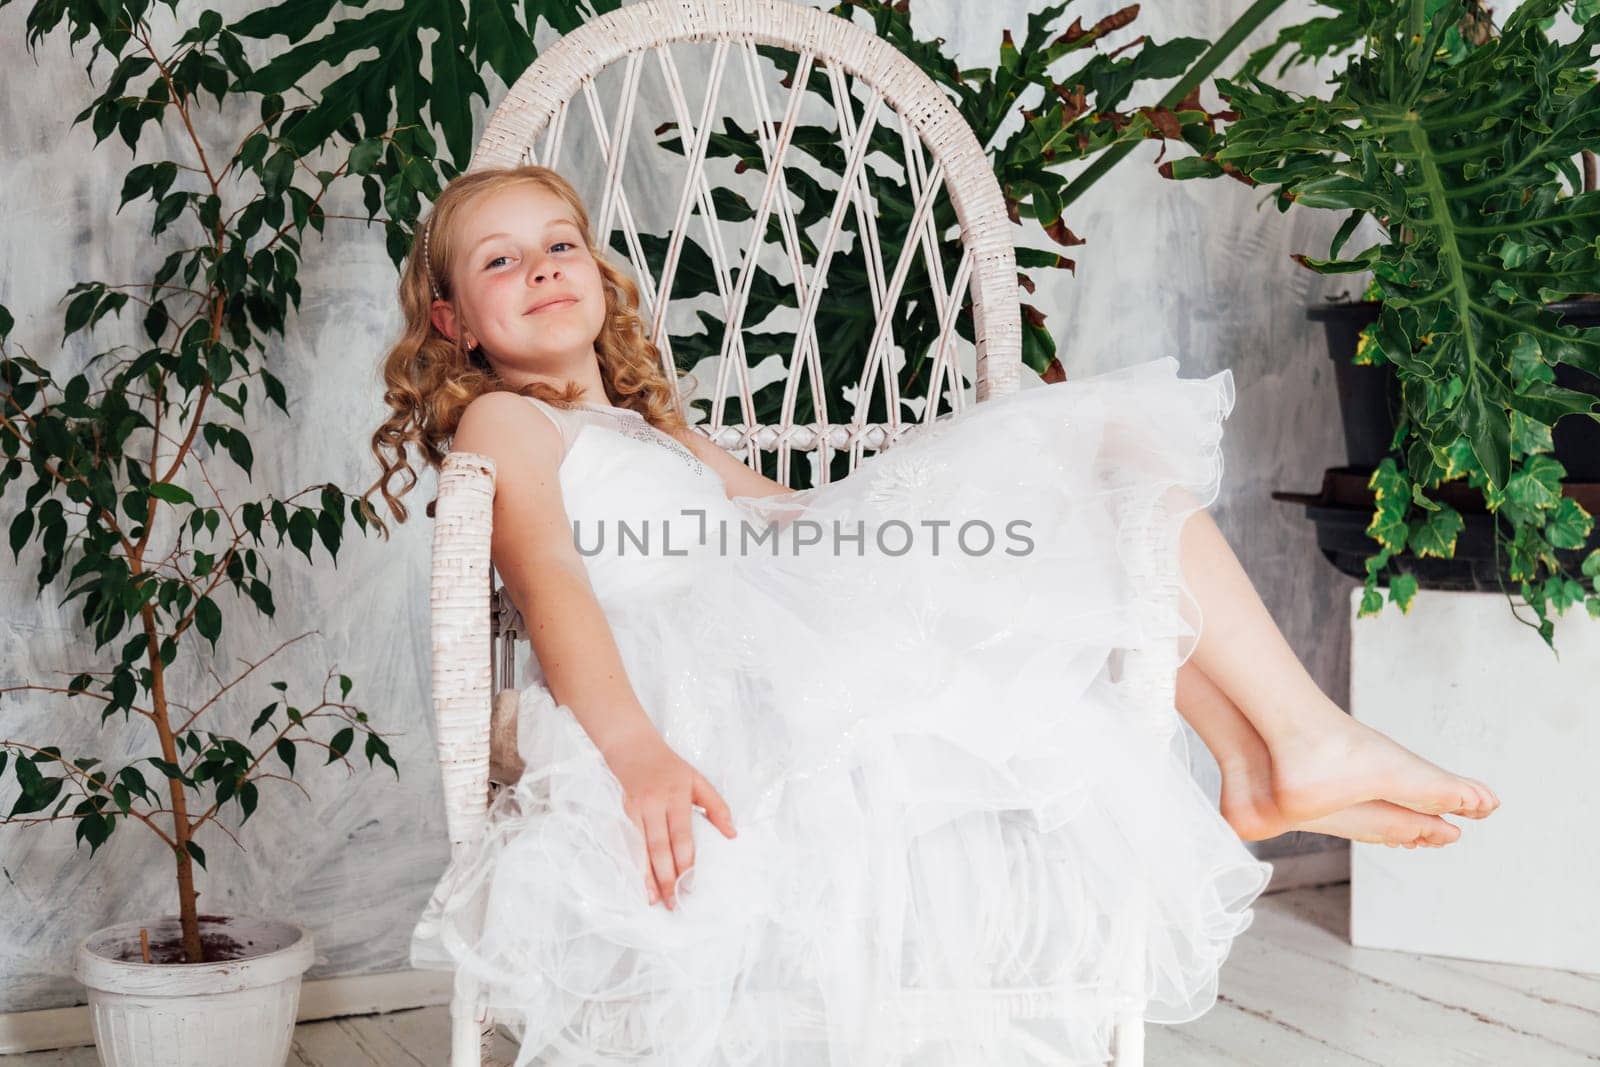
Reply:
x=558, y=244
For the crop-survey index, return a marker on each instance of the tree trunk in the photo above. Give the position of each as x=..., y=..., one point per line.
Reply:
x=188, y=912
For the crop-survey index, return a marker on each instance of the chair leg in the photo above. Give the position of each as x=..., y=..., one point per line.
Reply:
x=466, y=1030
x=1129, y=1042
x=1128, y=1047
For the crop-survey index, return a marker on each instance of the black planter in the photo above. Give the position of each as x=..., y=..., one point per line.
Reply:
x=1343, y=508
x=1369, y=405
x=1369, y=397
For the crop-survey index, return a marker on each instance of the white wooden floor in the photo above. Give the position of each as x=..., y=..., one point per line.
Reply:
x=1294, y=994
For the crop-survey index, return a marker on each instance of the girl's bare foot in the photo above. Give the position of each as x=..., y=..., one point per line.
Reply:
x=1247, y=803
x=1346, y=762
x=1379, y=822
x=1248, y=807
x=1322, y=760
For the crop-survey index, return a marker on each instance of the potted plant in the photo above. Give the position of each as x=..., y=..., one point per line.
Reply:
x=1455, y=147
x=1369, y=403
x=117, y=472
x=1459, y=143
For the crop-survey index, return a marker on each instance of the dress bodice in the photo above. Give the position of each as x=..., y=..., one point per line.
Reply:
x=571, y=422
x=644, y=510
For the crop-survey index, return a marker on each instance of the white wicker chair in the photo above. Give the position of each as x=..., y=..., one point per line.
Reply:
x=472, y=624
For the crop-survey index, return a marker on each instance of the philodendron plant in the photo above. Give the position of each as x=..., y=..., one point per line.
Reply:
x=1074, y=84
x=111, y=469
x=1463, y=142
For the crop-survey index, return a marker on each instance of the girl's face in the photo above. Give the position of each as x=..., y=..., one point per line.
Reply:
x=526, y=287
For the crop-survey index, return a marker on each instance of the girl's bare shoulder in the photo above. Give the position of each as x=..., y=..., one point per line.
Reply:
x=506, y=425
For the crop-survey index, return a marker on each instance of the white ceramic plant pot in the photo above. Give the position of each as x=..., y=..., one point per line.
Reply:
x=237, y=1013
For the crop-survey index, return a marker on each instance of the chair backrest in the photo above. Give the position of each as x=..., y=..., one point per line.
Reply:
x=938, y=150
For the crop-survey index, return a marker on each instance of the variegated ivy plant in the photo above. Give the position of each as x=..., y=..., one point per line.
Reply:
x=1463, y=141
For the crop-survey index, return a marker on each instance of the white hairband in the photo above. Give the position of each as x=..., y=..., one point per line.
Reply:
x=428, y=270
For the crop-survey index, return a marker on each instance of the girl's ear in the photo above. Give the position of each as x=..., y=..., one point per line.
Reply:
x=443, y=316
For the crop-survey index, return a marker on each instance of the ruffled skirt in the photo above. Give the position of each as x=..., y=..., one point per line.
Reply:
x=963, y=835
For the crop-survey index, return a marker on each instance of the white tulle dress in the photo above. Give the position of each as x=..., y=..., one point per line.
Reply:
x=956, y=843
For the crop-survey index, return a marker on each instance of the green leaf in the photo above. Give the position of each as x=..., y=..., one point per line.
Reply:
x=21, y=530
x=1488, y=426
x=286, y=752
x=1402, y=588
x=301, y=529
x=197, y=852
x=1437, y=536
x=329, y=533
x=37, y=795
x=1371, y=602
x=208, y=619
x=249, y=797
x=377, y=748
x=93, y=829
x=364, y=88
x=169, y=770
x=262, y=718
x=1392, y=496
x=1569, y=526
x=1008, y=53
x=275, y=391
x=1462, y=151
x=1537, y=486
x=240, y=452
x=364, y=154
x=340, y=743
x=172, y=494
x=79, y=310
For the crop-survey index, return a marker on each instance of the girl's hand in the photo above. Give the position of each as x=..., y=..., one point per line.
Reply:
x=659, y=788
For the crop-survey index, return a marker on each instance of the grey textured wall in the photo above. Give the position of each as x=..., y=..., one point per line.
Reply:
x=1194, y=271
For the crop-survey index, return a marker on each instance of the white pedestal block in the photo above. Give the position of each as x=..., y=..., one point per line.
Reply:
x=1462, y=683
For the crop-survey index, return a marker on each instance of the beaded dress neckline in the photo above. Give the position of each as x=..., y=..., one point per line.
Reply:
x=632, y=424
x=606, y=407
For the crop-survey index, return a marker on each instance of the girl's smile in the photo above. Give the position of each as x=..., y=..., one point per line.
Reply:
x=553, y=304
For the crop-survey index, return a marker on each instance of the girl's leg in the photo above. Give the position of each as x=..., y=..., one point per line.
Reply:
x=1246, y=765
x=1321, y=759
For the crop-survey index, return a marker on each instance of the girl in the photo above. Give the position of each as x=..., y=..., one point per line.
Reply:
x=928, y=795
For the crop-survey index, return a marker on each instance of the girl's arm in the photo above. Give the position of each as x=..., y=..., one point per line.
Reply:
x=544, y=575
x=535, y=556
x=737, y=479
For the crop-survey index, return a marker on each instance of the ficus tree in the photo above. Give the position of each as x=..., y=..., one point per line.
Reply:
x=111, y=469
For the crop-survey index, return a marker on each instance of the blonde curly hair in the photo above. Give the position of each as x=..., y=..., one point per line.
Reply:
x=429, y=379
